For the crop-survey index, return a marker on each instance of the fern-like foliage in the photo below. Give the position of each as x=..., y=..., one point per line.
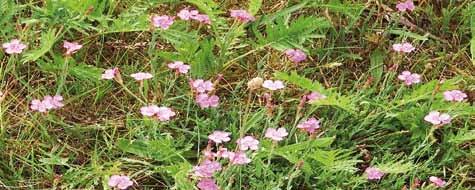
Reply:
x=335, y=99
x=47, y=41
x=281, y=35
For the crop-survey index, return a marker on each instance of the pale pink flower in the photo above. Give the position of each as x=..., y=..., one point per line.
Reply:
x=162, y=113
x=71, y=47
x=454, y=95
x=374, y=173
x=403, y=47
x=296, y=55
x=141, y=76
x=437, y=118
x=238, y=158
x=186, y=14
x=206, y=101
x=163, y=22
x=409, y=78
x=165, y=113
x=273, y=85
x=207, y=184
x=53, y=102
x=206, y=169
x=310, y=125
x=276, y=134
x=120, y=182
x=222, y=152
x=219, y=137
x=242, y=15
x=202, y=18
x=407, y=5
x=38, y=105
x=149, y=110
x=202, y=86
x=109, y=74
x=437, y=181
x=13, y=47
x=315, y=96
x=179, y=67
x=248, y=143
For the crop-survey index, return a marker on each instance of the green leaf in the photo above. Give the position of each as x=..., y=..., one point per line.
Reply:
x=405, y=33
x=377, y=65
x=254, y=6
x=160, y=150
x=180, y=172
x=47, y=41
x=462, y=137
x=300, y=81
x=336, y=160
x=317, y=143
x=282, y=36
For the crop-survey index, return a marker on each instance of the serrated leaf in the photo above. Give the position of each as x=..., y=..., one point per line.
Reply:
x=300, y=81
x=47, y=41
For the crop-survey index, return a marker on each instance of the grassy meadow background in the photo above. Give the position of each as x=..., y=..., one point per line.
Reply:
x=369, y=118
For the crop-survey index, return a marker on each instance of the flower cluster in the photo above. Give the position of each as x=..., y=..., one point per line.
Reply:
x=48, y=103
x=161, y=113
x=205, y=97
x=179, y=67
x=406, y=6
x=187, y=14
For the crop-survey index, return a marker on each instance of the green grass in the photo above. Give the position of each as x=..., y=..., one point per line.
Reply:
x=369, y=117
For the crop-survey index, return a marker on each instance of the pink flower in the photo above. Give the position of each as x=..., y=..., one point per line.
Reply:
x=207, y=184
x=53, y=102
x=296, y=55
x=179, y=67
x=207, y=168
x=407, y=5
x=186, y=14
x=202, y=86
x=162, y=113
x=38, y=105
x=276, y=134
x=242, y=15
x=454, y=95
x=238, y=158
x=311, y=125
x=202, y=18
x=409, y=78
x=48, y=103
x=120, y=181
x=219, y=137
x=273, y=85
x=165, y=113
x=374, y=173
x=71, y=47
x=222, y=152
x=314, y=96
x=248, y=143
x=436, y=118
x=163, y=22
x=403, y=47
x=437, y=181
x=109, y=74
x=141, y=76
x=206, y=101
x=149, y=110
x=14, y=47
